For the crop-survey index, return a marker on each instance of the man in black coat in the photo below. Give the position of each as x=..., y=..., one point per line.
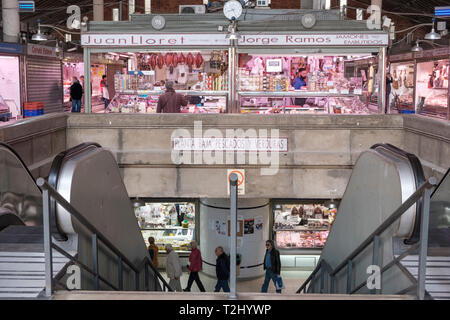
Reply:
x=272, y=265
x=76, y=93
x=222, y=270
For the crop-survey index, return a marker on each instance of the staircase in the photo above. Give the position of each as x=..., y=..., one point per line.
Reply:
x=22, y=263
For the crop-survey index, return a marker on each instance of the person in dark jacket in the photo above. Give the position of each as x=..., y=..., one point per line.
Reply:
x=171, y=102
x=76, y=92
x=272, y=265
x=389, y=81
x=222, y=270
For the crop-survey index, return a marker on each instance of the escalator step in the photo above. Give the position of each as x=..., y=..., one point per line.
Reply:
x=23, y=230
x=21, y=238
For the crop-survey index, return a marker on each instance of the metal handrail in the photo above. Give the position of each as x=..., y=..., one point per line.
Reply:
x=424, y=191
x=49, y=192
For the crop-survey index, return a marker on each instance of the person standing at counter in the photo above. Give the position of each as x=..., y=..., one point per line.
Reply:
x=76, y=93
x=300, y=82
x=105, y=91
x=195, y=265
x=389, y=81
x=173, y=268
x=170, y=101
x=153, y=251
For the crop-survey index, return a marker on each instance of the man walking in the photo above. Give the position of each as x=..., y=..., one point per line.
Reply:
x=222, y=270
x=272, y=265
x=76, y=92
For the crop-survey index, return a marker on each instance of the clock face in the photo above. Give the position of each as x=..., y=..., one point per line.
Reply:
x=232, y=9
x=158, y=22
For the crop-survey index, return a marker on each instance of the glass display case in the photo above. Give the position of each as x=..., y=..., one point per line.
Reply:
x=201, y=75
x=403, y=86
x=168, y=222
x=432, y=88
x=271, y=84
x=302, y=225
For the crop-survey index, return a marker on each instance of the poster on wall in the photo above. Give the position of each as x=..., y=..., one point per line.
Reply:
x=258, y=228
x=249, y=226
x=240, y=229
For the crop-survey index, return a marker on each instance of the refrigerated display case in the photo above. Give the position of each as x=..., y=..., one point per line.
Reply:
x=403, y=86
x=302, y=225
x=264, y=89
x=432, y=90
x=168, y=222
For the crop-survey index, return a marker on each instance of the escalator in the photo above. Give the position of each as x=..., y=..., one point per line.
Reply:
x=383, y=178
x=88, y=177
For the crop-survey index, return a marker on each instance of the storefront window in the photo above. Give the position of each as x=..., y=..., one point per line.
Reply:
x=301, y=84
x=202, y=72
x=9, y=87
x=70, y=70
x=432, y=88
x=403, y=86
x=169, y=223
x=301, y=226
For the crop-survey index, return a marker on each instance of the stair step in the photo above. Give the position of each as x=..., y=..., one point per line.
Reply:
x=21, y=238
x=21, y=283
x=4, y=266
x=18, y=295
x=31, y=259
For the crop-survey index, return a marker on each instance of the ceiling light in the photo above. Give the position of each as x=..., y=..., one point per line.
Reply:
x=433, y=35
x=416, y=48
x=39, y=36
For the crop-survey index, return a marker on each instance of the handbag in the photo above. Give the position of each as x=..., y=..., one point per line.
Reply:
x=279, y=283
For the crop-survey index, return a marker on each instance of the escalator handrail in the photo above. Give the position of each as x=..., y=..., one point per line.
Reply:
x=419, y=178
x=440, y=182
x=53, y=178
x=4, y=145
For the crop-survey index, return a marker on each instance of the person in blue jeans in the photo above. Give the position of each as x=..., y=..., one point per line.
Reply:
x=272, y=265
x=76, y=93
x=222, y=270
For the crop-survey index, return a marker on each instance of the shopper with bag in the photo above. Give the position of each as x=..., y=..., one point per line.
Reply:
x=272, y=265
x=222, y=270
x=173, y=268
x=195, y=265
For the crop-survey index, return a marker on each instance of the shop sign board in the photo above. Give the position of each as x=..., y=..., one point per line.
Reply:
x=231, y=144
x=43, y=51
x=11, y=48
x=219, y=39
x=241, y=180
x=400, y=57
x=433, y=53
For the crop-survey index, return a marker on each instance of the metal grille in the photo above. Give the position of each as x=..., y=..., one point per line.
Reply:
x=44, y=83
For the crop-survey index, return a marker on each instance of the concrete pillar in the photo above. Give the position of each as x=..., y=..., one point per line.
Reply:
x=131, y=8
x=148, y=6
x=11, y=20
x=99, y=10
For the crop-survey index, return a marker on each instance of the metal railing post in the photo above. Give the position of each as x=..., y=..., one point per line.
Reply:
x=423, y=249
x=376, y=252
x=137, y=280
x=349, y=276
x=313, y=284
x=233, y=231
x=147, y=286
x=120, y=267
x=331, y=284
x=322, y=280
x=47, y=244
x=95, y=260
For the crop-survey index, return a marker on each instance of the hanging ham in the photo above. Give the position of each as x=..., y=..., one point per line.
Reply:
x=160, y=60
x=198, y=60
x=190, y=61
x=175, y=60
x=181, y=59
x=153, y=61
x=168, y=59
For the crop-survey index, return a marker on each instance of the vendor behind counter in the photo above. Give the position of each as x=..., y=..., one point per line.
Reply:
x=299, y=82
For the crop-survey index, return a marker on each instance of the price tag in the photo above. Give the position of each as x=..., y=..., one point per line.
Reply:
x=333, y=91
x=358, y=91
x=344, y=91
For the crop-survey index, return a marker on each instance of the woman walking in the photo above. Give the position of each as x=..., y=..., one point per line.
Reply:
x=195, y=265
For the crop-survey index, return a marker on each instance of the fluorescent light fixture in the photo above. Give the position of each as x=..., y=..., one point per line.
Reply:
x=442, y=11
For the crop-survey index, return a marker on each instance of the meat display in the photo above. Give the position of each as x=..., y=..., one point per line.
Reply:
x=198, y=60
x=181, y=59
x=175, y=60
x=168, y=59
x=153, y=61
x=160, y=60
x=190, y=61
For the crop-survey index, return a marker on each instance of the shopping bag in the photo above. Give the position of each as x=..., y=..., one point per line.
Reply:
x=279, y=283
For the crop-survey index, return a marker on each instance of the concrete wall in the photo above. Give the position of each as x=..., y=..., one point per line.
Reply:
x=429, y=139
x=321, y=152
x=37, y=140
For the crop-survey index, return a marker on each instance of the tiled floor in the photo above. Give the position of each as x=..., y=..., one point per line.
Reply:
x=292, y=280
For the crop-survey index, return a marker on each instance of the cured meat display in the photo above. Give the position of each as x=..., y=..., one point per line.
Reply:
x=160, y=60
x=168, y=59
x=175, y=60
x=181, y=59
x=302, y=226
x=153, y=61
x=190, y=61
x=198, y=60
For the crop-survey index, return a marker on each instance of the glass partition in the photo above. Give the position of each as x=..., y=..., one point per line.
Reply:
x=439, y=235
